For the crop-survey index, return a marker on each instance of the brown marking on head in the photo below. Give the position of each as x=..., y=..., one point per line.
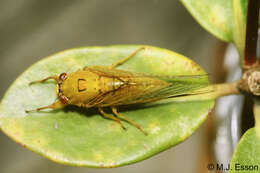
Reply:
x=82, y=85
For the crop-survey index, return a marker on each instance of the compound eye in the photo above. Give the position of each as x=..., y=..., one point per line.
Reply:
x=63, y=76
x=63, y=99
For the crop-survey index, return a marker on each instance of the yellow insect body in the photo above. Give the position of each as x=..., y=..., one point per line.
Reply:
x=94, y=87
x=102, y=86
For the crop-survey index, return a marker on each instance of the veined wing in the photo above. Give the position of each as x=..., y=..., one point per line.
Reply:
x=173, y=90
x=177, y=86
x=104, y=70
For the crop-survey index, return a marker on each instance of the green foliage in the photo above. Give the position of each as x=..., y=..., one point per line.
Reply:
x=246, y=157
x=81, y=137
x=247, y=151
x=226, y=19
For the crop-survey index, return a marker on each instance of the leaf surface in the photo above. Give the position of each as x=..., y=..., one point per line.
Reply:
x=81, y=137
x=225, y=19
x=246, y=157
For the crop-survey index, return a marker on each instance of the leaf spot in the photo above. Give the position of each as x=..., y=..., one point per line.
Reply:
x=56, y=125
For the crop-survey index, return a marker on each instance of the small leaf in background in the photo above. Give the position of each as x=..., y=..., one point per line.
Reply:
x=215, y=16
x=257, y=115
x=239, y=25
x=226, y=19
x=248, y=149
x=82, y=137
x=246, y=156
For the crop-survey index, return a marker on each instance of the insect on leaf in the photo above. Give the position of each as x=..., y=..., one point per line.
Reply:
x=81, y=137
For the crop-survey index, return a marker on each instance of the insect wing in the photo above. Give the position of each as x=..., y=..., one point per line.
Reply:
x=179, y=85
x=107, y=72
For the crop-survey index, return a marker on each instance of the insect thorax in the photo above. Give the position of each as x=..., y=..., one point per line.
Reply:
x=83, y=86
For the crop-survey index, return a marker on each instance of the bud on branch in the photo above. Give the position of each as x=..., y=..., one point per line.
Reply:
x=250, y=81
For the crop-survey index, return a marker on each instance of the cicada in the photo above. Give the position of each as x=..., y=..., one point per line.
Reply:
x=106, y=86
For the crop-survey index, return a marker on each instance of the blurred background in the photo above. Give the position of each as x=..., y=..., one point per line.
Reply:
x=31, y=30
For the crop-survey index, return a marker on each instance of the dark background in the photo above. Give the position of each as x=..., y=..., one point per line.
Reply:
x=31, y=30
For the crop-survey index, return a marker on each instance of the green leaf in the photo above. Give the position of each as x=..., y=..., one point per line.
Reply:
x=257, y=114
x=246, y=157
x=239, y=25
x=82, y=137
x=226, y=19
x=248, y=149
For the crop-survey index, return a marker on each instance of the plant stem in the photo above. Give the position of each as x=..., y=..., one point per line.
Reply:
x=251, y=34
x=225, y=89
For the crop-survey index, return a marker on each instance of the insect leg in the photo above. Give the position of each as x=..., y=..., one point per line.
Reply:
x=43, y=80
x=55, y=105
x=114, y=109
x=111, y=117
x=121, y=61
